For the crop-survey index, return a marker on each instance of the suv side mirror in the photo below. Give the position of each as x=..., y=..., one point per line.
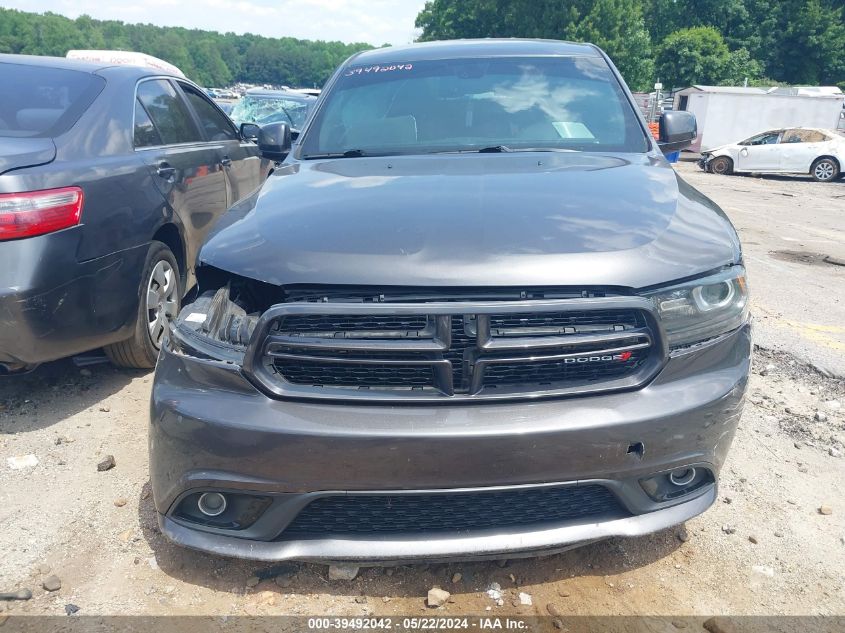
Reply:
x=250, y=131
x=677, y=131
x=274, y=141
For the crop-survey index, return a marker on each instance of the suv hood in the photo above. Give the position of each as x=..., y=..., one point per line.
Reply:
x=520, y=219
x=16, y=153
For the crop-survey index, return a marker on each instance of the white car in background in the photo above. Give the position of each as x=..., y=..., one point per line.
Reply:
x=799, y=150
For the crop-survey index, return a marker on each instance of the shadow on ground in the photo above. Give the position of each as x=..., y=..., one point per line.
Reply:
x=229, y=575
x=788, y=178
x=55, y=391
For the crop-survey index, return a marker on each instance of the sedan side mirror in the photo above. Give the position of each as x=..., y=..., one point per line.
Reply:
x=250, y=131
x=274, y=141
x=678, y=130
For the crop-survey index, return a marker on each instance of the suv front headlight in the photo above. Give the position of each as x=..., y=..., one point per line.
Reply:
x=702, y=309
x=213, y=326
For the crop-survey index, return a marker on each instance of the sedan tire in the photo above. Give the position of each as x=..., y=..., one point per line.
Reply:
x=825, y=170
x=722, y=165
x=160, y=295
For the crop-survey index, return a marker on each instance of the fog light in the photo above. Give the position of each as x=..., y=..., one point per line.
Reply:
x=227, y=511
x=682, y=476
x=211, y=504
x=677, y=483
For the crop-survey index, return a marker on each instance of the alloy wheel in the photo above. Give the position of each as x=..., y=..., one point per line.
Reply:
x=824, y=170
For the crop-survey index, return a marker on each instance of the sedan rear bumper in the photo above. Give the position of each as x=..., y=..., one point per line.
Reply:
x=52, y=305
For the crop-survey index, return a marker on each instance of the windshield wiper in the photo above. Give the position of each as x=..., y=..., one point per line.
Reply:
x=493, y=149
x=544, y=149
x=498, y=149
x=350, y=153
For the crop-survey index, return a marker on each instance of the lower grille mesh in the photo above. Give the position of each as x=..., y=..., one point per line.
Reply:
x=451, y=512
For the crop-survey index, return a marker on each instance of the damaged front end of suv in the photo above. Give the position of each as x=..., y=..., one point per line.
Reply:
x=467, y=328
x=334, y=424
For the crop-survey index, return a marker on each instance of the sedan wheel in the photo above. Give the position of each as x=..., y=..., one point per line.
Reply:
x=721, y=165
x=162, y=300
x=825, y=170
x=160, y=295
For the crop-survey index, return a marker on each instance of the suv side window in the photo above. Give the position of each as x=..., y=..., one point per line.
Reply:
x=146, y=134
x=217, y=126
x=168, y=112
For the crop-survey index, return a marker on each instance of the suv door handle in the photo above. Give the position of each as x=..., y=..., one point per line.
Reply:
x=225, y=161
x=166, y=171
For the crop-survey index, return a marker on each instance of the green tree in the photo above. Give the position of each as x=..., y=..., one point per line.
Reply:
x=211, y=69
x=692, y=56
x=617, y=26
x=795, y=41
x=211, y=59
x=741, y=67
x=812, y=41
x=454, y=19
x=626, y=40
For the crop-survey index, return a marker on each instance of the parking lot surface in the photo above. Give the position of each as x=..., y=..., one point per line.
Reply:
x=774, y=542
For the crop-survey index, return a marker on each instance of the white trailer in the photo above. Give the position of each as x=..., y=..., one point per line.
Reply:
x=728, y=114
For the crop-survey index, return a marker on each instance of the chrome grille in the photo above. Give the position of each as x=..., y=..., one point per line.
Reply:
x=564, y=322
x=326, y=372
x=550, y=372
x=452, y=351
x=344, y=324
x=457, y=354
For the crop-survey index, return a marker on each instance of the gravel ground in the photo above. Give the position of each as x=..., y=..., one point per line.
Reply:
x=765, y=547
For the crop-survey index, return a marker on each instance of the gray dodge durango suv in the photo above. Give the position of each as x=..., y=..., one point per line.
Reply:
x=473, y=313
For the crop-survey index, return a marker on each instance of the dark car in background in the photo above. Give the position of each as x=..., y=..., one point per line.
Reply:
x=110, y=178
x=475, y=313
x=261, y=107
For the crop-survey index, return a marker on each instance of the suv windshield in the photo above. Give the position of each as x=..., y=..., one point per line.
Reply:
x=43, y=101
x=570, y=103
x=262, y=110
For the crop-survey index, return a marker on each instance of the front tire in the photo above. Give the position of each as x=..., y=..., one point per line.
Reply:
x=160, y=297
x=722, y=165
x=825, y=170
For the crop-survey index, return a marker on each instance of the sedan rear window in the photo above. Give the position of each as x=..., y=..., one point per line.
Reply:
x=567, y=103
x=39, y=101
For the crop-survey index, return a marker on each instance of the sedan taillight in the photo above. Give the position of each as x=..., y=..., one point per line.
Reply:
x=38, y=212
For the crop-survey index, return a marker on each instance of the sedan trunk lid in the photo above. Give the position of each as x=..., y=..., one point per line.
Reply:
x=17, y=153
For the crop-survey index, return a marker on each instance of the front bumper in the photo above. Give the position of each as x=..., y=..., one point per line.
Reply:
x=510, y=544
x=212, y=430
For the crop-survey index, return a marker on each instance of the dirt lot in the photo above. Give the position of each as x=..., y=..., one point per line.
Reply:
x=765, y=547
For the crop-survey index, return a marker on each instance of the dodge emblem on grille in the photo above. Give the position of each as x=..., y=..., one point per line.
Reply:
x=599, y=359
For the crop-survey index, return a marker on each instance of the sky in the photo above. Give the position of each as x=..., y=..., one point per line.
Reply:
x=374, y=21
